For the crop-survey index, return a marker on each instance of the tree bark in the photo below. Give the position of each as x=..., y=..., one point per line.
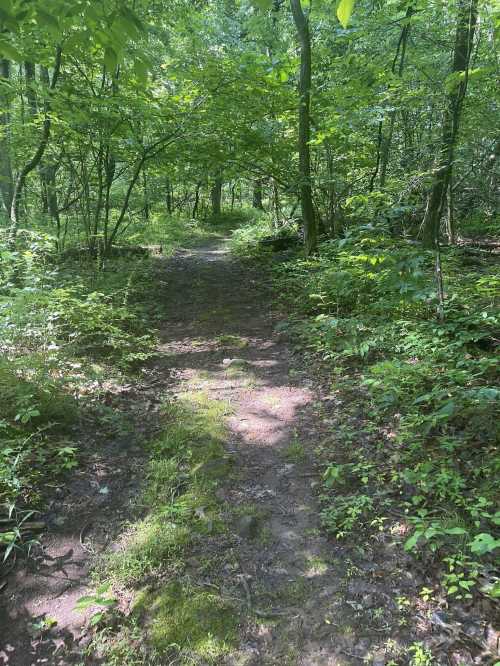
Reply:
x=6, y=178
x=35, y=160
x=196, y=199
x=257, y=194
x=216, y=196
x=308, y=216
x=386, y=140
x=466, y=25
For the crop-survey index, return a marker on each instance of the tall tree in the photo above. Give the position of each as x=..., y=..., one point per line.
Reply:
x=308, y=216
x=6, y=179
x=35, y=160
x=457, y=82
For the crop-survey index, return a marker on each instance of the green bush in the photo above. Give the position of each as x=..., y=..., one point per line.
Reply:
x=367, y=304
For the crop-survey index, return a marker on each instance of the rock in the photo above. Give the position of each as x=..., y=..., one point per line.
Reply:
x=379, y=659
x=220, y=494
x=247, y=527
x=235, y=363
x=369, y=600
x=59, y=521
x=493, y=639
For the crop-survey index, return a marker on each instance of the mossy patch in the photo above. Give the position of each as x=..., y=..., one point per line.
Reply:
x=186, y=466
x=294, y=451
x=196, y=621
x=232, y=342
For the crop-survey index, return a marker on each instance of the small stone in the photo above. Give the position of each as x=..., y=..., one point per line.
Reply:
x=379, y=659
x=247, y=527
x=235, y=363
x=369, y=600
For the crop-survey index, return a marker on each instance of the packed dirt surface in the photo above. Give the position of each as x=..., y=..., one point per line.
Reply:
x=303, y=598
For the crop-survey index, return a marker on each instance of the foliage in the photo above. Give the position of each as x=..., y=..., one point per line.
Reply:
x=60, y=325
x=366, y=305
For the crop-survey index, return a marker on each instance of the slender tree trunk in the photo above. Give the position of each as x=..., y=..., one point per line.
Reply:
x=109, y=167
x=146, y=195
x=308, y=216
x=233, y=194
x=216, y=196
x=450, y=220
x=6, y=178
x=168, y=198
x=466, y=25
x=196, y=199
x=30, y=78
x=35, y=160
x=52, y=202
x=386, y=140
x=257, y=194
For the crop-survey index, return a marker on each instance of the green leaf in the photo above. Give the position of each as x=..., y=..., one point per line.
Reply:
x=484, y=543
x=47, y=20
x=264, y=5
x=10, y=52
x=84, y=602
x=110, y=59
x=141, y=70
x=455, y=531
x=413, y=540
x=95, y=619
x=344, y=11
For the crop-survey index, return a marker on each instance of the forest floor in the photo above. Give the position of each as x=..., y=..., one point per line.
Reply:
x=286, y=593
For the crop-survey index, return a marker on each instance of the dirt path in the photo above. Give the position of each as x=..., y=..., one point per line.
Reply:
x=303, y=600
x=308, y=601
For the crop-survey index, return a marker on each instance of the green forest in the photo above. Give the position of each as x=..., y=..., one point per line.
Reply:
x=249, y=326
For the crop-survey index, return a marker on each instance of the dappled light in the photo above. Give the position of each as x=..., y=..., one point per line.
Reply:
x=249, y=280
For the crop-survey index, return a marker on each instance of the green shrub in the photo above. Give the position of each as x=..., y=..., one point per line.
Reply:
x=367, y=304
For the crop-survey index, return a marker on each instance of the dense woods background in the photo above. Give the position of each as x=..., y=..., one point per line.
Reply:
x=352, y=147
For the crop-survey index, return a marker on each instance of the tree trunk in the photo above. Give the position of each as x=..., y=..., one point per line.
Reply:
x=216, y=195
x=386, y=140
x=145, y=195
x=466, y=25
x=196, y=200
x=168, y=199
x=30, y=78
x=6, y=179
x=308, y=216
x=257, y=194
x=35, y=160
x=49, y=179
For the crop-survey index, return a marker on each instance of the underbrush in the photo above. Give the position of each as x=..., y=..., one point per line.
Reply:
x=246, y=239
x=168, y=231
x=416, y=454
x=181, y=620
x=65, y=328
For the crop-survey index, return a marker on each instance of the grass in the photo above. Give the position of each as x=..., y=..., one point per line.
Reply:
x=186, y=466
x=199, y=623
x=231, y=342
x=295, y=451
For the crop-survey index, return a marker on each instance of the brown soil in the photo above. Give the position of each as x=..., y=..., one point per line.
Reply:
x=305, y=600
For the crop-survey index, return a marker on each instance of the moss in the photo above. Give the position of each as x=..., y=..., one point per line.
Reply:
x=186, y=466
x=232, y=342
x=151, y=544
x=195, y=621
x=294, y=452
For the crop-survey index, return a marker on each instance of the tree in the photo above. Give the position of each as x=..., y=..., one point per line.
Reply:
x=457, y=83
x=308, y=216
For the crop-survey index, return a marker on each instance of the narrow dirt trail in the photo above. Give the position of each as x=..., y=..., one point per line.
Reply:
x=283, y=560
x=303, y=600
x=303, y=604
